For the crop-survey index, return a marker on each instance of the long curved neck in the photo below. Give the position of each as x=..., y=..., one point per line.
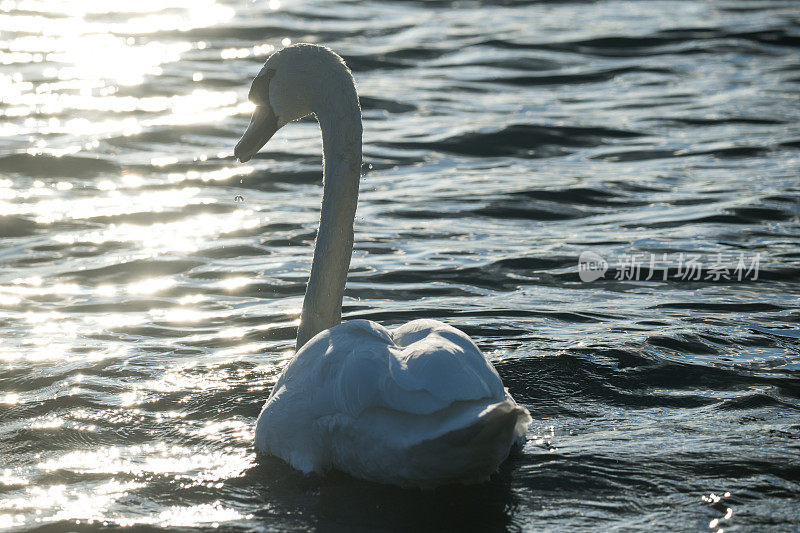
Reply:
x=339, y=118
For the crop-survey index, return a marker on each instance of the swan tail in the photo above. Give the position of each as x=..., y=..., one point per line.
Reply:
x=473, y=453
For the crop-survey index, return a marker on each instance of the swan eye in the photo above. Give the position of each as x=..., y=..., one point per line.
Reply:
x=259, y=90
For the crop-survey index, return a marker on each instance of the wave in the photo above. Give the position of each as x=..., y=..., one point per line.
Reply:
x=520, y=140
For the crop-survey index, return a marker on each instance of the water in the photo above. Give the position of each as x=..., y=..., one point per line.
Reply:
x=150, y=285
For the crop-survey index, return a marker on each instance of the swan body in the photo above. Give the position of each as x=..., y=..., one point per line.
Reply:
x=418, y=405
x=415, y=406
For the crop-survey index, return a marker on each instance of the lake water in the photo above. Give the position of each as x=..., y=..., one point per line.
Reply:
x=150, y=285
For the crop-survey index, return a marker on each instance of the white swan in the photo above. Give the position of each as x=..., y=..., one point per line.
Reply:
x=414, y=406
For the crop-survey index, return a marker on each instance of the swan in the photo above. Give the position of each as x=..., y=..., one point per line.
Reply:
x=416, y=406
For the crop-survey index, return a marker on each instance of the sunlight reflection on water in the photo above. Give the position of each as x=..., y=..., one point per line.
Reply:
x=74, y=59
x=100, y=48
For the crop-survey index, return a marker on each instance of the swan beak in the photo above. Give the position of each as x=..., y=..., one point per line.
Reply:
x=263, y=126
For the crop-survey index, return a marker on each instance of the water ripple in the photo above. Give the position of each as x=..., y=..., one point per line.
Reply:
x=151, y=286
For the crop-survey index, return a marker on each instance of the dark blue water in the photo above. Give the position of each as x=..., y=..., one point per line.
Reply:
x=146, y=311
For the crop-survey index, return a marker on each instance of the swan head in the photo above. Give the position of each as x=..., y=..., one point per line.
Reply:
x=291, y=84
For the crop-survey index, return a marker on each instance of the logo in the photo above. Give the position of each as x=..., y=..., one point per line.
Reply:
x=591, y=266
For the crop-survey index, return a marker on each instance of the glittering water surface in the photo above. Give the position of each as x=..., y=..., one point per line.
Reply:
x=150, y=285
